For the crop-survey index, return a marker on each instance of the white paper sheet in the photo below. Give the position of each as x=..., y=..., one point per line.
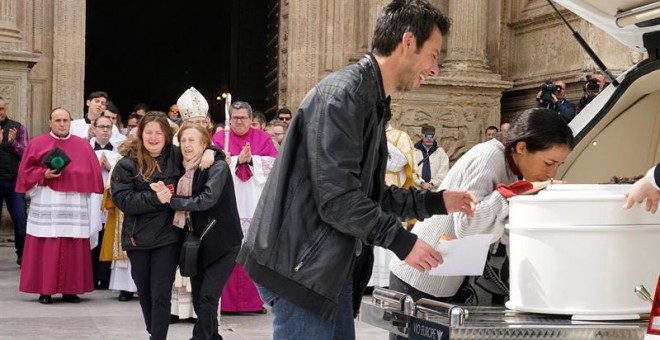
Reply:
x=463, y=256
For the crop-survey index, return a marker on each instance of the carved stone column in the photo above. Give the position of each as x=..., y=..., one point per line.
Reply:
x=15, y=61
x=322, y=37
x=9, y=30
x=69, y=55
x=304, y=49
x=466, y=43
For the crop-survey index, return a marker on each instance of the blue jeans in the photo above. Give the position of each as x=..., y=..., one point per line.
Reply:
x=293, y=322
x=17, y=210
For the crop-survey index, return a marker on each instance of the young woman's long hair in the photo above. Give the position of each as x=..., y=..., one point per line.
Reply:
x=133, y=147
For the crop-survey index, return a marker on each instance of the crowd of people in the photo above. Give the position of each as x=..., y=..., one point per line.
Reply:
x=301, y=213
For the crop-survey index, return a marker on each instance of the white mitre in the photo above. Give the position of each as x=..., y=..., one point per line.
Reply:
x=192, y=104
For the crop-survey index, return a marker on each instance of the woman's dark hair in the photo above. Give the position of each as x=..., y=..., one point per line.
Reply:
x=401, y=16
x=540, y=129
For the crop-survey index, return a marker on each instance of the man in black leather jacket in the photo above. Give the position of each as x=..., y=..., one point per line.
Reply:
x=326, y=195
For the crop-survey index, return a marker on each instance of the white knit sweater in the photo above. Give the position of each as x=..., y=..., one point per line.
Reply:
x=480, y=170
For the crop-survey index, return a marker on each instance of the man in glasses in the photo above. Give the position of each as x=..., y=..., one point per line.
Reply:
x=252, y=154
x=557, y=101
x=174, y=115
x=108, y=156
x=284, y=115
x=432, y=161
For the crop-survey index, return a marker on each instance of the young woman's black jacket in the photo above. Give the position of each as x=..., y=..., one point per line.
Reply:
x=213, y=198
x=147, y=222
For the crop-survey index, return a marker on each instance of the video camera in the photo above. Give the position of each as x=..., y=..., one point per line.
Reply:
x=546, y=90
x=591, y=87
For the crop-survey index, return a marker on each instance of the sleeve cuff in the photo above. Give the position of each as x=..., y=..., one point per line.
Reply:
x=435, y=203
x=403, y=243
x=653, y=176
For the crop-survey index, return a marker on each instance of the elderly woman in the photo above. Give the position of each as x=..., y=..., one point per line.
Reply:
x=206, y=195
x=538, y=142
x=151, y=240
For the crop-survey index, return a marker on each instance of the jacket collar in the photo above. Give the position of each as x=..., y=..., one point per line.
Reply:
x=370, y=63
x=420, y=146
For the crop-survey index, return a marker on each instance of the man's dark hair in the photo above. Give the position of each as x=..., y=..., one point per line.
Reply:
x=493, y=128
x=110, y=106
x=258, y=115
x=133, y=115
x=98, y=94
x=401, y=16
x=283, y=110
x=141, y=106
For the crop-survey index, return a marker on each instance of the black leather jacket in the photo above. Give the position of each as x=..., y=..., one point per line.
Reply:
x=213, y=197
x=327, y=192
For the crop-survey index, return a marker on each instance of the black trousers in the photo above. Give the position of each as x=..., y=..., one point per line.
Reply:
x=100, y=269
x=153, y=272
x=207, y=287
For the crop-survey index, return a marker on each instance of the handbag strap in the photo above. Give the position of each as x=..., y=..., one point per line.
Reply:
x=189, y=222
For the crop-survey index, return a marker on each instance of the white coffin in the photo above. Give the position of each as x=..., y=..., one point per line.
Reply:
x=575, y=251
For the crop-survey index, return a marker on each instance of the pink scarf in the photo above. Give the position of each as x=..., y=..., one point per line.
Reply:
x=184, y=188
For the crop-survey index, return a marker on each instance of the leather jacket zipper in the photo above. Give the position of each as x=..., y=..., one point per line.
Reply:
x=311, y=250
x=133, y=241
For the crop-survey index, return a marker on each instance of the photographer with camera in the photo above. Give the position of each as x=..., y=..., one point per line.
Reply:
x=591, y=89
x=551, y=96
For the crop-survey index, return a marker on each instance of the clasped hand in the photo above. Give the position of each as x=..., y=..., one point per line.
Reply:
x=162, y=192
x=246, y=155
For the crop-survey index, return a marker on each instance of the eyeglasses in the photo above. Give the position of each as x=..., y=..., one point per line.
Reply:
x=286, y=119
x=429, y=135
x=239, y=118
x=104, y=127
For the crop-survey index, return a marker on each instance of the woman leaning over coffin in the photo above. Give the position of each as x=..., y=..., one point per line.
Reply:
x=537, y=143
x=206, y=195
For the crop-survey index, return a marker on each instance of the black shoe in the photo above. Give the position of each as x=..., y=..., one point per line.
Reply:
x=70, y=298
x=125, y=296
x=19, y=260
x=45, y=299
x=101, y=285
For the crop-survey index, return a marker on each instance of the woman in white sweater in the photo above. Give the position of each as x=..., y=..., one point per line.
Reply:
x=537, y=144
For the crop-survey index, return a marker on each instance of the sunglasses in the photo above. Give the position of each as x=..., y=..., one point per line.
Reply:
x=429, y=135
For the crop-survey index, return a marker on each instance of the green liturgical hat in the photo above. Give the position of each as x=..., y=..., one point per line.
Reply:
x=57, y=159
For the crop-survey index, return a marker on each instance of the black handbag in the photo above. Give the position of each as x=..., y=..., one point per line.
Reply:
x=188, y=262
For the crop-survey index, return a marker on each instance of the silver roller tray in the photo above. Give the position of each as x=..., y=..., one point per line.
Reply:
x=427, y=319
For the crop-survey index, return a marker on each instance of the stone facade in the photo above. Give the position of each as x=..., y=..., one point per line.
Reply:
x=492, y=67
x=497, y=54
